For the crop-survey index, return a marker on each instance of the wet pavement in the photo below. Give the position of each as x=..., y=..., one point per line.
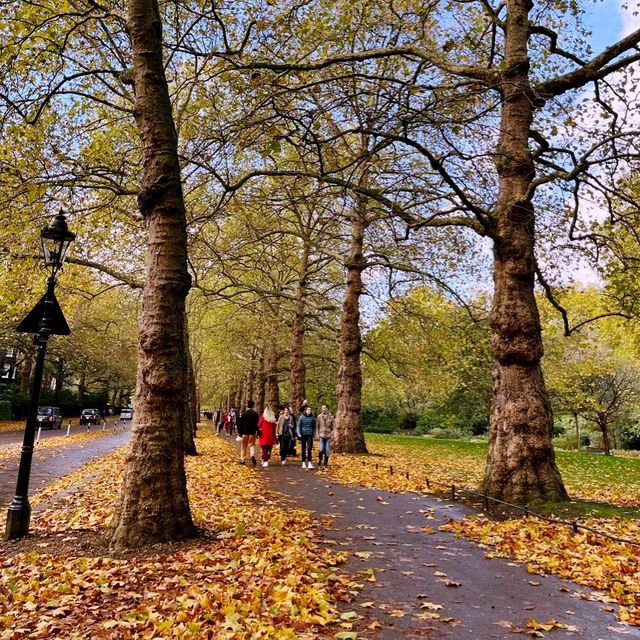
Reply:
x=51, y=463
x=418, y=568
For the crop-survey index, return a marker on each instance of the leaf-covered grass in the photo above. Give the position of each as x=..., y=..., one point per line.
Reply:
x=257, y=571
x=590, y=477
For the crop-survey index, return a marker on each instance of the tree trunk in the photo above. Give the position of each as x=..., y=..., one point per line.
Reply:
x=349, y=434
x=25, y=371
x=191, y=415
x=260, y=383
x=248, y=385
x=59, y=380
x=606, y=442
x=521, y=464
x=82, y=388
x=297, y=391
x=153, y=505
x=271, y=373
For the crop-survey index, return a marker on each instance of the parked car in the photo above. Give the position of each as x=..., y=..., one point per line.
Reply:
x=49, y=418
x=90, y=416
x=126, y=414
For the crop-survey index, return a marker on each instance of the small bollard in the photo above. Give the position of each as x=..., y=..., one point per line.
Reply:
x=406, y=474
x=38, y=436
x=391, y=470
x=428, y=483
x=453, y=491
x=104, y=425
x=69, y=428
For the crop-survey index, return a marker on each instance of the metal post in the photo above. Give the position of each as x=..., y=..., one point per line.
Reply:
x=69, y=427
x=19, y=512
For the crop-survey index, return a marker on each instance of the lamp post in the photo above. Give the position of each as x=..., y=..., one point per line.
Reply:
x=44, y=320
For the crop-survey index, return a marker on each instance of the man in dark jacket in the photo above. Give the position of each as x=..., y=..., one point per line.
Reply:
x=247, y=428
x=306, y=429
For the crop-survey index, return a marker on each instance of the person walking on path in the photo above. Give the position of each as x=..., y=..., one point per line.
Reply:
x=285, y=430
x=219, y=421
x=324, y=423
x=247, y=429
x=306, y=430
x=267, y=432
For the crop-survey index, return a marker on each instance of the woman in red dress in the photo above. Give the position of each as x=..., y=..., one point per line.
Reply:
x=267, y=430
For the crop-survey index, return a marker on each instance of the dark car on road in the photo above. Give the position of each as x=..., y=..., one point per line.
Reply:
x=90, y=416
x=49, y=418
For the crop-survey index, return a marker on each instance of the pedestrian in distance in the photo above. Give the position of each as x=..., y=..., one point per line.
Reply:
x=228, y=423
x=285, y=430
x=325, y=425
x=306, y=430
x=247, y=429
x=267, y=434
x=234, y=420
x=219, y=421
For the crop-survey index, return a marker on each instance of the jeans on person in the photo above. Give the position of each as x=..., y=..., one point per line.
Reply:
x=307, y=447
x=266, y=452
x=325, y=449
x=285, y=446
x=248, y=442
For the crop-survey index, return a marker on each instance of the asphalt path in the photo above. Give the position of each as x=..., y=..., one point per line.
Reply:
x=417, y=566
x=16, y=436
x=52, y=463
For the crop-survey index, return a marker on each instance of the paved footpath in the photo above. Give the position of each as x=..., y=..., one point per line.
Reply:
x=481, y=598
x=50, y=464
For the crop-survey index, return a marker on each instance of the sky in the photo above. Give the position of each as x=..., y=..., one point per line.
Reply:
x=609, y=21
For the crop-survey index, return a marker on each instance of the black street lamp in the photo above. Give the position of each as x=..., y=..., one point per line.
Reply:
x=44, y=320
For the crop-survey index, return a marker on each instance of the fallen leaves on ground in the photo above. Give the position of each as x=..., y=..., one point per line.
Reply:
x=406, y=466
x=60, y=443
x=594, y=561
x=257, y=572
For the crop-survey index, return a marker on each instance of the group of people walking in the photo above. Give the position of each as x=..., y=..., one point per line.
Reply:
x=283, y=429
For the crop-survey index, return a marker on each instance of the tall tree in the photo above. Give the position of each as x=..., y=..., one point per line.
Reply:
x=153, y=503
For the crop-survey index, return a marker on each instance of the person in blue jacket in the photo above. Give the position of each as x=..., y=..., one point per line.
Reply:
x=306, y=430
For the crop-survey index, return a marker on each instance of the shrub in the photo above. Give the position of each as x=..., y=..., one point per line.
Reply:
x=5, y=410
x=375, y=421
x=446, y=433
x=568, y=442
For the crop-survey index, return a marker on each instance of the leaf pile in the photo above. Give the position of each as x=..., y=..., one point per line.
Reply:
x=594, y=561
x=257, y=571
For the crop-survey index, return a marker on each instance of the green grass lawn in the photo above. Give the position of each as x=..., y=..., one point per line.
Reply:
x=593, y=479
